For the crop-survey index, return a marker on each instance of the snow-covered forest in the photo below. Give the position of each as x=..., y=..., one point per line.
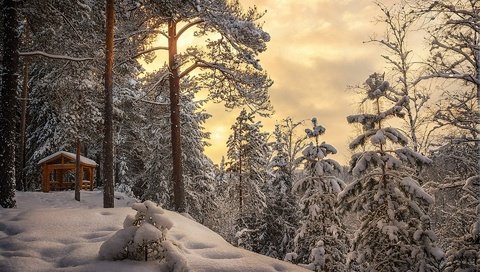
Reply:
x=74, y=79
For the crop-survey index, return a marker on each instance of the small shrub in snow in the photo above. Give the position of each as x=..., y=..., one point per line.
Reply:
x=142, y=236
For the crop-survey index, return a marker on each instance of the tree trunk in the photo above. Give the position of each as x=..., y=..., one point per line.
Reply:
x=477, y=63
x=8, y=104
x=78, y=172
x=23, y=124
x=174, y=80
x=108, y=199
x=116, y=173
x=98, y=177
x=240, y=173
x=240, y=186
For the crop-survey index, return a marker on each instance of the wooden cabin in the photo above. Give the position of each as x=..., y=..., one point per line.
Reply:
x=58, y=172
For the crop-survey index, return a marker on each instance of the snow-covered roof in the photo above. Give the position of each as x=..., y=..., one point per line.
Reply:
x=69, y=155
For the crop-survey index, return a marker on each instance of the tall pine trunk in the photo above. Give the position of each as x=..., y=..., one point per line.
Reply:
x=23, y=125
x=477, y=63
x=8, y=104
x=108, y=199
x=178, y=186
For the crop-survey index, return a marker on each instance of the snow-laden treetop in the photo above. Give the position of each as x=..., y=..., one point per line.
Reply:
x=381, y=138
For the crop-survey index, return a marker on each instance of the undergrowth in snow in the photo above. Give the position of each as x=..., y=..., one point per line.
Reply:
x=53, y=232
x=142, y=237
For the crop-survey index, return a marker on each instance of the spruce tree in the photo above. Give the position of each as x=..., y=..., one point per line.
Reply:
x=280, y=217
x=147, y=154
x=395, y=232
x=320, y=241
x=247, y=154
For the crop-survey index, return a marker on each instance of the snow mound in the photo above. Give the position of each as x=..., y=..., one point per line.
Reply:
x=53, y=232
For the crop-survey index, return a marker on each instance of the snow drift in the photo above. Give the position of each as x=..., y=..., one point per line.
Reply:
x=53, y=232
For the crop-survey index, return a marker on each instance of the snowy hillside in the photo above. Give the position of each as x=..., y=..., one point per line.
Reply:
x=53, y=232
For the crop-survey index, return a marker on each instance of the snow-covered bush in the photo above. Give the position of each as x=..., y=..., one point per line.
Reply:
x=142, y=236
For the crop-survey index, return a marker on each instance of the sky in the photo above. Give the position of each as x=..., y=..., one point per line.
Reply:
x=317, y=50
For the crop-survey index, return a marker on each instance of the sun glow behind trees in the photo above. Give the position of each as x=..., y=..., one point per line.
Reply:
x=219, y=130
x=311, y=59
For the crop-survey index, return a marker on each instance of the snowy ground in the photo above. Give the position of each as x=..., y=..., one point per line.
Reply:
x=53, y=232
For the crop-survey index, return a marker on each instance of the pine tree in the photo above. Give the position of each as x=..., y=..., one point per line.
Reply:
x=320, y=240
x=226, y=213
x=108, y=200
x=248, y=160
x=280, y=217
x=228, y=64
x=8, y=90
x=395, y=232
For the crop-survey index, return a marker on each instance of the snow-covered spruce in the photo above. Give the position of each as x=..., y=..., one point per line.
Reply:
x=145, y=150
x=395, y=230
x=281, y=215
x=143, y=236
x=320, y=241
x=247, y=153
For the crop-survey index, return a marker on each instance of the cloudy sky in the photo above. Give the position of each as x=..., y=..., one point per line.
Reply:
x=316, y=51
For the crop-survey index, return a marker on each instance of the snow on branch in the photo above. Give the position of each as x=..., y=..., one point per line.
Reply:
x=461, y=76
x=369, y=120
x=396, y=136
x=138, y=32
x=188, y=26
x=407, y=155
x=472, y=186
x=361, y=139
x=361, y=161
x=414, y=188
x=52, y=56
